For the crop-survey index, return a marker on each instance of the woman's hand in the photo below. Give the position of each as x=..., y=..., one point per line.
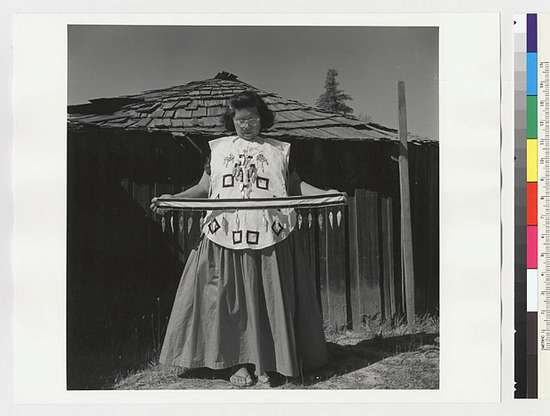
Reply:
x=335, y=191
x=156, y=209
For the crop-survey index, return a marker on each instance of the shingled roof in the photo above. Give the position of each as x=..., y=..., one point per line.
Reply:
x=195, y=109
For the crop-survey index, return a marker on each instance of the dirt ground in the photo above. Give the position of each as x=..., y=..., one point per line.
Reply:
x=396, y=362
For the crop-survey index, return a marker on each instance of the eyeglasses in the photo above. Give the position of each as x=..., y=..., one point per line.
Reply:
x=252, y=122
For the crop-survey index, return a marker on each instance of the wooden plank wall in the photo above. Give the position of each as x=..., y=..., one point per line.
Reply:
x=335, y=235
x=425, y=218
x=387, y=248
x=364, y=255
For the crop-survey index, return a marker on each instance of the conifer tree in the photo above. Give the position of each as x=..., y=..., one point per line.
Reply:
x=333, y=99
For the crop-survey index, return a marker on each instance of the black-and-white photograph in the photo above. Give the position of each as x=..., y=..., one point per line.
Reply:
x=252, y=207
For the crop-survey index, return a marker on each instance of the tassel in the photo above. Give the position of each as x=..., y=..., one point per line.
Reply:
x=225, y=224
x=180, y=223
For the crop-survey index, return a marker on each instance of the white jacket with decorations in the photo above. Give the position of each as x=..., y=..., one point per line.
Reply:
x=248, y=169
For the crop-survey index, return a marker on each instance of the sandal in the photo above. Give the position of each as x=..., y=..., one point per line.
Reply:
x=241, y=378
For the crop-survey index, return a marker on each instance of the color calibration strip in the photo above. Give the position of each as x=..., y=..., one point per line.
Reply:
x=520, y=214
x=542, y=289
x=532, y=206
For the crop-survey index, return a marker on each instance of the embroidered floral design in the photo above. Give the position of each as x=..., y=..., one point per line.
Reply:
x=228, y=159
x=262, y=160
x=245, y=172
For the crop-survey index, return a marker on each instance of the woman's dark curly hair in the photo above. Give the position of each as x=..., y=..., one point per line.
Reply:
x=243, y=100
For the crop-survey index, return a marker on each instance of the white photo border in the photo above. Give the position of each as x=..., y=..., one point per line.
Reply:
x=469, y=119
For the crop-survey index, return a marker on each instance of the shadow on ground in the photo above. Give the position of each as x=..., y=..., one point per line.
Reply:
x=349, y=358
x=343, y=359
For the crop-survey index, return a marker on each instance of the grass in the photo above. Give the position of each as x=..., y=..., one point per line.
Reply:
x=424, y=324
x=387, y=356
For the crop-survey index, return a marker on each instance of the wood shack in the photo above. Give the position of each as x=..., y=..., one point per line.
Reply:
x=123, y=151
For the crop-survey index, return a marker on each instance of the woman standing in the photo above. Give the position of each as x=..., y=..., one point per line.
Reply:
x=246, y=298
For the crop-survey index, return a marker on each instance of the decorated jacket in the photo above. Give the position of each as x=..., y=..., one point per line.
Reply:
x=248, y=169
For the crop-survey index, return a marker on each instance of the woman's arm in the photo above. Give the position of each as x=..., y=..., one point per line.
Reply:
x=200, y=190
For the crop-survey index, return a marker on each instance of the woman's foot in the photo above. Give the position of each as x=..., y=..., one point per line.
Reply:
x=241, y=378
x=264, y=379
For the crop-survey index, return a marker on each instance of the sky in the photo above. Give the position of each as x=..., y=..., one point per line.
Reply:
x=108, y=61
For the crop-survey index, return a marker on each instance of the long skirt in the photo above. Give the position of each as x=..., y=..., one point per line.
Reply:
x=237, y=307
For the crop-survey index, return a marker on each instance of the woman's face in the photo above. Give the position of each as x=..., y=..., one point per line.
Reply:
x=247, y=123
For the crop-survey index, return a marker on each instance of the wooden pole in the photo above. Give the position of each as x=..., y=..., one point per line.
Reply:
x=406, y=226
